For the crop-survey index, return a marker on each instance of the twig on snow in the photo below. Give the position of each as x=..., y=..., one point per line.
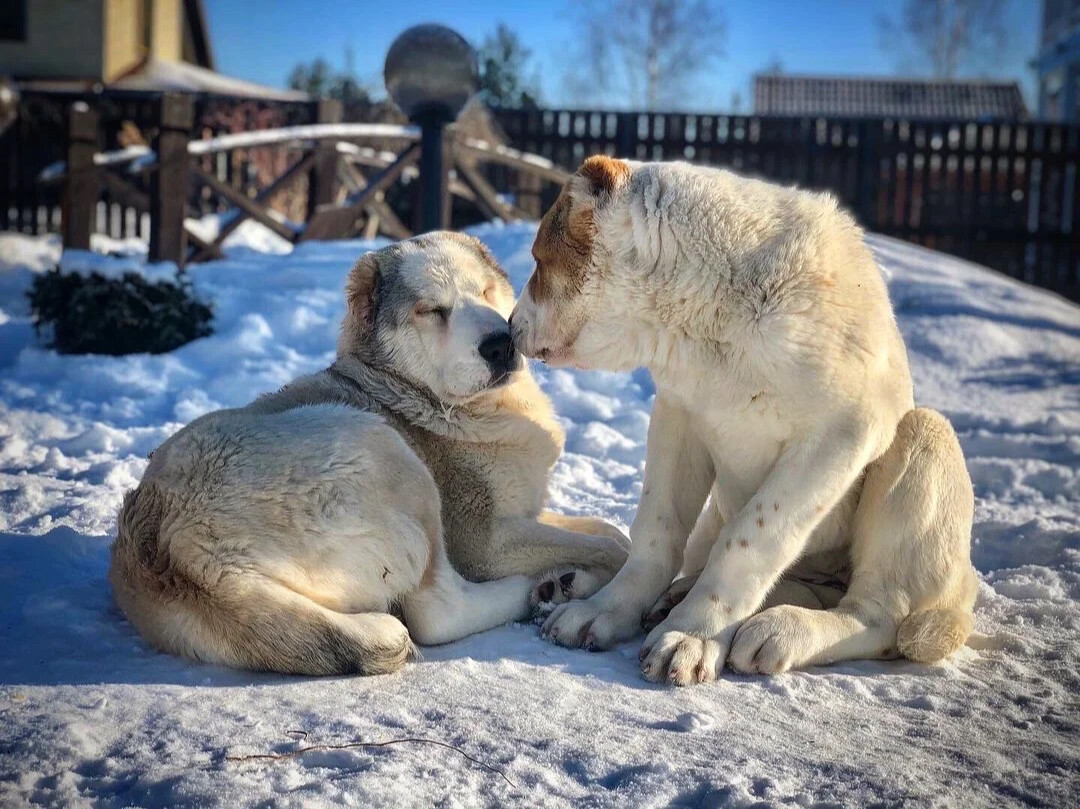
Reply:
x=351, y=745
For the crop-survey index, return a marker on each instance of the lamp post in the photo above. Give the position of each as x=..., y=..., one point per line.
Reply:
x=431, y=72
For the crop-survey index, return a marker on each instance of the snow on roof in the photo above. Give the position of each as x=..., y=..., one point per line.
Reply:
x=156, y=74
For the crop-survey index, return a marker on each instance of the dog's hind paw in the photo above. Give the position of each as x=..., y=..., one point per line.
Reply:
x=562, y=585
x=675, y=593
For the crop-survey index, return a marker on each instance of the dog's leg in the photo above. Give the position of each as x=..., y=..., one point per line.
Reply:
x=447, y=607
x=574, y=556
x=753, y=550
x=698, y=546
x=569, y=581
x=912, y=587
x=678, y=474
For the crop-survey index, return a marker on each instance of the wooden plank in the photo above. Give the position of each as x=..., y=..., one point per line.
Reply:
x=389, y=223
x=486, y=197
x=262, y=198
x=204, y=248
x=514, y=159
x=354, y=180
x=125, y=191
x=371, y=226
x=256, y=210
x=334, y=222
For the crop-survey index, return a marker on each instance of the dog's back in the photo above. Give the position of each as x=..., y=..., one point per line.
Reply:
x=193, y=592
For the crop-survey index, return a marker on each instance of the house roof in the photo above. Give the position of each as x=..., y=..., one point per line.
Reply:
x=197, y=35
x=914, y=98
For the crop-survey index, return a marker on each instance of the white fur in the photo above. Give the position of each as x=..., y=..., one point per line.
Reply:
x=280, y=535
x=782, y=381
x=442, y=355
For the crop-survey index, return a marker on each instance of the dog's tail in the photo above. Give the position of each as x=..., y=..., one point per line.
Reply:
x=927, y=636
x=242, y=618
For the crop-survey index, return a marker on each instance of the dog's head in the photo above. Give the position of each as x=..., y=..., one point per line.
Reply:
x=433, y=309
x=559, y=317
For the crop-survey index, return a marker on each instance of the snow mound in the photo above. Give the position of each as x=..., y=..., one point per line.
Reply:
x=92, y=717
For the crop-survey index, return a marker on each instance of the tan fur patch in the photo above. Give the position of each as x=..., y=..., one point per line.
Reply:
x=604, y=174
x=562, y=249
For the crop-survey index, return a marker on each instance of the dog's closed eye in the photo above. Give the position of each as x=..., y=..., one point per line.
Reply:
x=427, y=309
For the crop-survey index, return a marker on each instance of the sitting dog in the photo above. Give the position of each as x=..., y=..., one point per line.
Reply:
x=280, y=535
x=783, y=389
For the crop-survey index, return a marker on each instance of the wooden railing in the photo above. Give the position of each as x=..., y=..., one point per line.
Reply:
x=346, y=182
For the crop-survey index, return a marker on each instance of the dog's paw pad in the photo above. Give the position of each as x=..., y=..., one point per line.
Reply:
x=560, y=586
x=545, y=591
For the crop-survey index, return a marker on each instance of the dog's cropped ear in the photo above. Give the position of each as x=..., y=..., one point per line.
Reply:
x=361, y=289
x=604, y=175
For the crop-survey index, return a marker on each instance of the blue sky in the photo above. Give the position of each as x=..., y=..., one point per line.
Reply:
x=262, y=41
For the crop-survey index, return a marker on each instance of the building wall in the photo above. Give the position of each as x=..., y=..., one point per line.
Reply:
x=167, y=30
x=134, y=28
x=125, y=35
x=63, y=40
x=95, y=40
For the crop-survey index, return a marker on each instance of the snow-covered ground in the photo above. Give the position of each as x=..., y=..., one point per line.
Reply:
x=90, y=716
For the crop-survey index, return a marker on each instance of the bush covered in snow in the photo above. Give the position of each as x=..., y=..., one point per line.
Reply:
x=92, y=314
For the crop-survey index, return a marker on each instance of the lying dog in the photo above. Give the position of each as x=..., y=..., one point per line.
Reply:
x=783, y=388
x=278, y=536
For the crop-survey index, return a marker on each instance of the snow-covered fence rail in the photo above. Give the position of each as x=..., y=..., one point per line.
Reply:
x=1002, y=193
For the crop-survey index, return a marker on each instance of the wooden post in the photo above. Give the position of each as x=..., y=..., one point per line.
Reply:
x=323, y=173
x=83, y=177
x=433, y=208
x=169, y=184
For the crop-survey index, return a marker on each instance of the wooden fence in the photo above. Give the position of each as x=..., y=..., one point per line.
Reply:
x=334, y=181
x=1006, y=195
x=43, y=133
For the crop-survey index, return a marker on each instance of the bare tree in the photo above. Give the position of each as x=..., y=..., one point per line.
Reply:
x=647, y=50
x=950, y=35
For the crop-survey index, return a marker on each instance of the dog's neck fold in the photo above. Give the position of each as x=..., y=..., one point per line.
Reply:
x=483, y=419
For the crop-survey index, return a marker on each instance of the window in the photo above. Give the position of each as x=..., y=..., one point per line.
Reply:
x=13, y=20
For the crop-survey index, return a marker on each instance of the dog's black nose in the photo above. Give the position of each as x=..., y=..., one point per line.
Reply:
x=497, y=349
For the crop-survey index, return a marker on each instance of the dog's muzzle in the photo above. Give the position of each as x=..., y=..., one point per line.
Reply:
x=497, y=350
x=519, y=330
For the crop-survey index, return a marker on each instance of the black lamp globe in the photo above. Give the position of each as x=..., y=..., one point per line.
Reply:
x=431, y=72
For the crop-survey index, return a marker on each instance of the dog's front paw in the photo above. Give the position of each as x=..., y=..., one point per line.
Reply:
x=593, y=623
x=565, y=584
x=680, y=658
x=772, y=641
x=690, y=646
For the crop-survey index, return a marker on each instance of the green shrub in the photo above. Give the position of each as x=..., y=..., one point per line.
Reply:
x=129, y=315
